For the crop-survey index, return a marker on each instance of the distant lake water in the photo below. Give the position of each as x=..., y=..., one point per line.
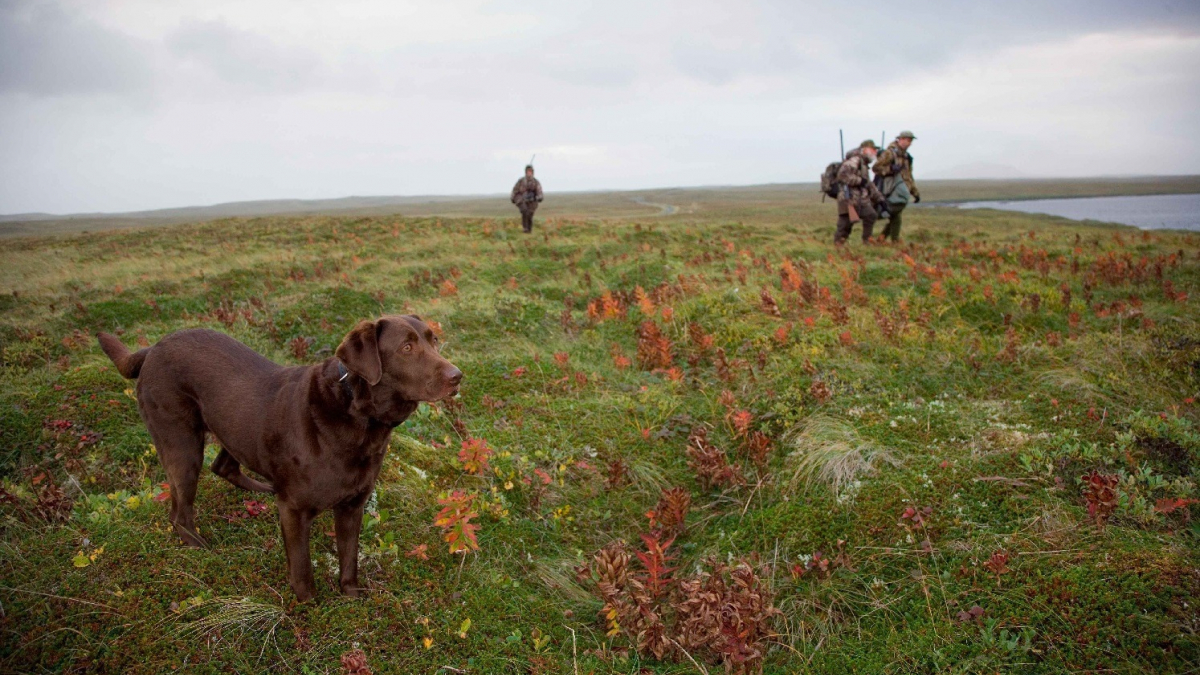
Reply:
x=1149, y=212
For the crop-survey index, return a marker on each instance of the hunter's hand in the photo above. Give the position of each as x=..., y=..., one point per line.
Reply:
x=917, y=199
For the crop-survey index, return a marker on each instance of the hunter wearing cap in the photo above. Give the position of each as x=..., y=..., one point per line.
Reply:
x=893, y=177
x=527, y=194
x=857, y=195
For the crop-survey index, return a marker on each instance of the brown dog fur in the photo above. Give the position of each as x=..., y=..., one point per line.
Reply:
x=319, y=439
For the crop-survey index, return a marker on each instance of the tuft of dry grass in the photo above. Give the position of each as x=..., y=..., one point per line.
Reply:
x=830, y=450
x=221, y=619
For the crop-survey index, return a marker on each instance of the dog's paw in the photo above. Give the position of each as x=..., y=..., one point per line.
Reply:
x=191, y=538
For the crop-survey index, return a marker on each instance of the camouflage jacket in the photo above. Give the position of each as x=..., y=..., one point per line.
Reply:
x=526, y=190
x=855, y=178
x=896, y=161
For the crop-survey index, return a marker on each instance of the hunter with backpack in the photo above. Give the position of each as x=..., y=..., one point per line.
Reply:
x=857, y=197
x=527, y=194
x=893, y=177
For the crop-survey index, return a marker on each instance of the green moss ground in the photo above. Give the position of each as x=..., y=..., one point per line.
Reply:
x=992, y=405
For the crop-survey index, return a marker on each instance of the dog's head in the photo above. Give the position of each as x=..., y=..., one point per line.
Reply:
x=401, y=353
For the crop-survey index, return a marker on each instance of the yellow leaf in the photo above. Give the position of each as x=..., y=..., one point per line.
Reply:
x=427, y=641
x=133, y=502
x=466, y=626
x=81, y=560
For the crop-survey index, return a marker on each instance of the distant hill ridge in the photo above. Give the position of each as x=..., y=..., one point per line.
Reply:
x=612, y=203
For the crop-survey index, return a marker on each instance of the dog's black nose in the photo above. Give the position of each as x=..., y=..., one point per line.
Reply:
x=455, y=376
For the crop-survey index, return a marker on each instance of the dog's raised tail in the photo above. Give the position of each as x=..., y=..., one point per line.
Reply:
x=128, y=364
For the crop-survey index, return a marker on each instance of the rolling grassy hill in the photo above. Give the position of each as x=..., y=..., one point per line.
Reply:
x=976, y=451
x=584, y=204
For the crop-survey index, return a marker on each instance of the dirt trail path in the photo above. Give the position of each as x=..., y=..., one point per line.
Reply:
x=665, y=209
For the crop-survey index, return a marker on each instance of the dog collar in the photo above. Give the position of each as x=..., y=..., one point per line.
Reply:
x=344, y=379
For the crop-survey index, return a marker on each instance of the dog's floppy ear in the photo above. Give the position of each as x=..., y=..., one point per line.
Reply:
x=360, y=352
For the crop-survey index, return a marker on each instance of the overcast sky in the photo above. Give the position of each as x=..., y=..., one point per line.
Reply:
x=115, y=105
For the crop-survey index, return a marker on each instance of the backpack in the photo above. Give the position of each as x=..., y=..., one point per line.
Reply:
x=829, y=181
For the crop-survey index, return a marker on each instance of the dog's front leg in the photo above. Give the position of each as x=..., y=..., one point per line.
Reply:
x=296, y=524
x=347, y=524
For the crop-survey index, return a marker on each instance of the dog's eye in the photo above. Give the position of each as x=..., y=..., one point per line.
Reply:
x=408, y=347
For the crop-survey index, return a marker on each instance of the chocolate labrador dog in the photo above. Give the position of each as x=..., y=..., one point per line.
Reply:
x=317, y=433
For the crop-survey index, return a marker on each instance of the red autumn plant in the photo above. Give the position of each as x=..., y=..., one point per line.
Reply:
x=852, y=292
x=914, y=518
x=458, y=508
x=722, y=365
x=722, y=615
x=670, y=514
x=816, y=567
x=789, y=278
x=354, y=662
x=1170, y=504
x=644, y=303
x=768, y=302
x=711, y=464
x=656, y=564
x=836, y=311
x=757, y=447
x=616, y=473
x=1012, y=343
x=973, y=615
x=701, y=341
x=299, y=346
x=726, y=615
x=50, y=502
x=781, y=334
x=562, y=359
x=620, y=361
x=654, y=350
x=1100, y=493
x=474, y=455
x=998, y=564
x=726, y=399
x=608, y=306
x=741, y=421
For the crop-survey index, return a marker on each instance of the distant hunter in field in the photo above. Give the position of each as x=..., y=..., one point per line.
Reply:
x=893, y=177
x=527, y=194
x=857, y=195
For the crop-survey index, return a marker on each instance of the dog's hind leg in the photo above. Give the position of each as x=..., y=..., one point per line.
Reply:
x=228, y=468
x=180, y=444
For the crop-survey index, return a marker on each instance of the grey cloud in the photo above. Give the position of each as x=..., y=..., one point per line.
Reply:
x=617, y=94
x=245, y=58
x=807, y=50
x=44, y=51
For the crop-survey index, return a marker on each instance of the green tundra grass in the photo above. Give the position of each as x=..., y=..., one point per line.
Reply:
x=932, y=409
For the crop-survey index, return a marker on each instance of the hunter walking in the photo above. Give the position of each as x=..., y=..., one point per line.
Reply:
x=857, y=195
x=527, y=194
x=893, y=177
